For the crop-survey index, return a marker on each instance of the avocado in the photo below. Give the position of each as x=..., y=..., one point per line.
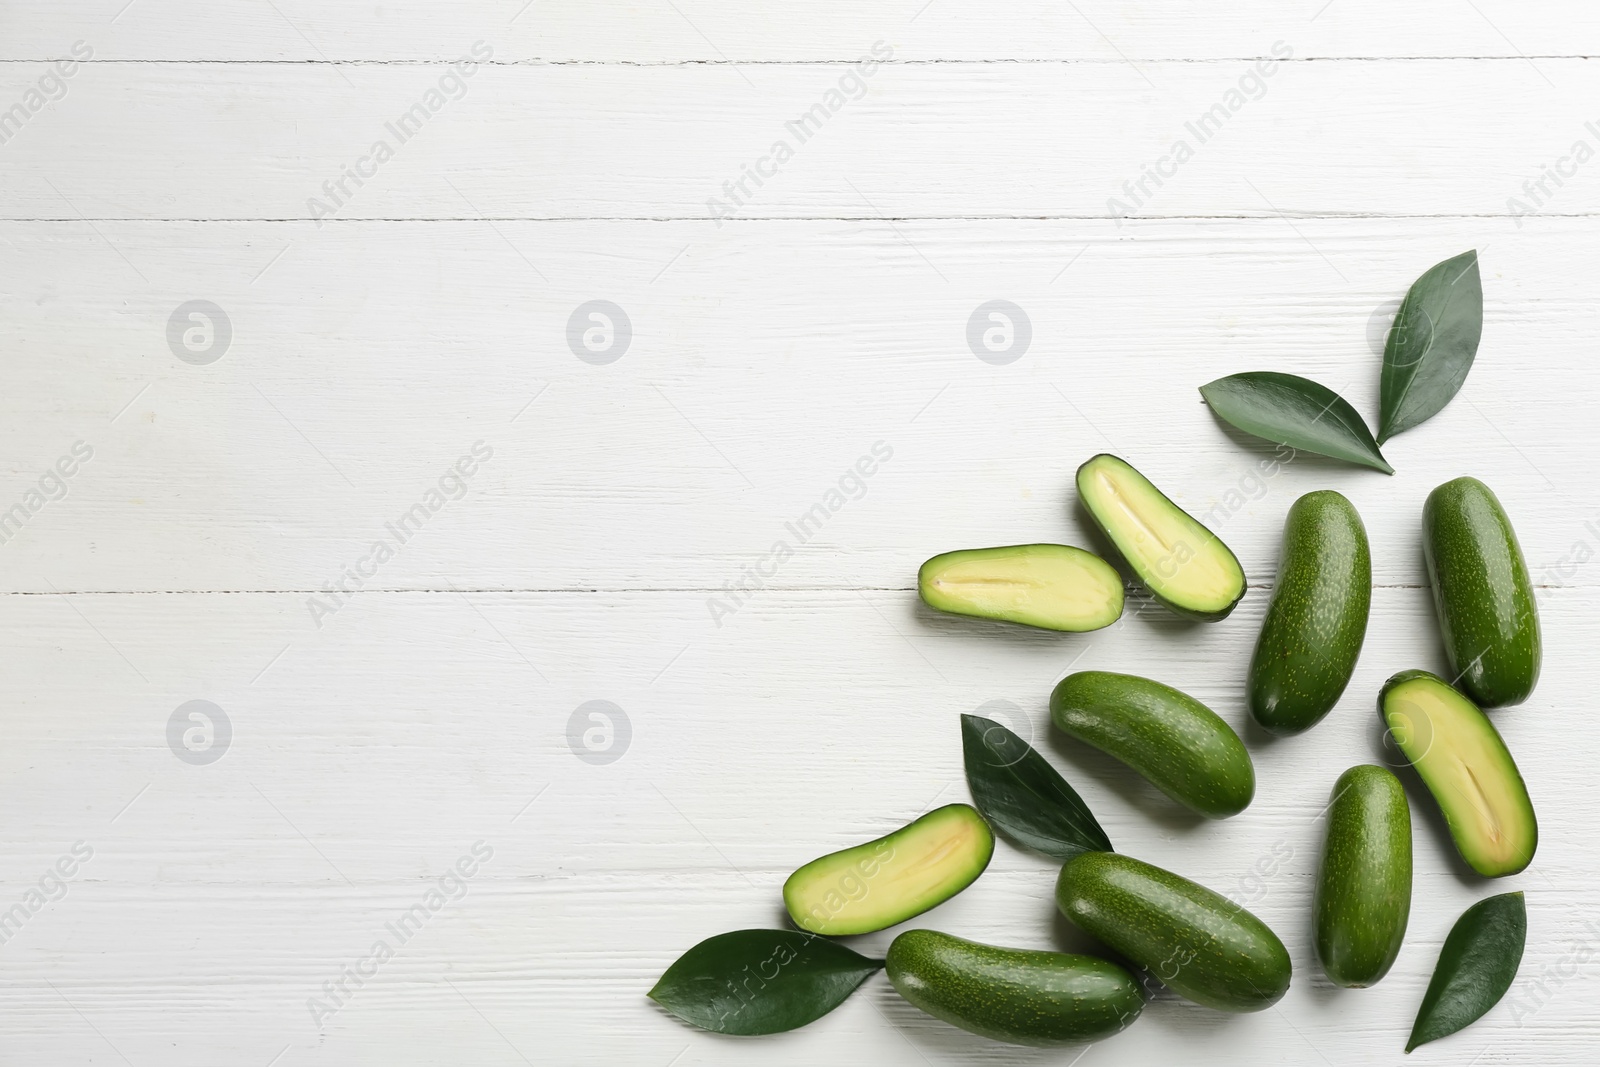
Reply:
x=1466, y=766
x=1178, y=743
x=1183, y=564
x=1053, y=587
x=1199, y=943
x=887, y=881
x=1311, y=637
x=1482, y=593
x=1363, y=894
x=1022, y=996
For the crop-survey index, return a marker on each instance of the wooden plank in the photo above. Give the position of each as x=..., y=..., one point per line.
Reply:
x=767, y=359
x=715, y=30
x=362, y=767
x=203, y=141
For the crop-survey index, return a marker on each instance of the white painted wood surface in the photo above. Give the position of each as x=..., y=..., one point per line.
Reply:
x=377, y=737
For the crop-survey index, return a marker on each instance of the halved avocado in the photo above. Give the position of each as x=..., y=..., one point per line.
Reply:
x=887, y=881
x=1467, y=768
x=1181, y=562
x=1054, y=587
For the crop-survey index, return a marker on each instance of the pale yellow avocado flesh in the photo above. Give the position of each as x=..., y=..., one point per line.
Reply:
x=1181, y=561
x=887, y=881
x=1056, y=587
x=1468, y=769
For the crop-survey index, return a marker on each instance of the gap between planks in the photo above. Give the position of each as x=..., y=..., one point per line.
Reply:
x=928, y=61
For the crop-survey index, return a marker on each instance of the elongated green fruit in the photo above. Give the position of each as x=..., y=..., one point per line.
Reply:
x=1317, y=620
x=1053, y=587
x=1468, y=769
x=887, y=881
x=1482, y=593
x=1181, y=562
x=1364, y=888
x=1017, y=995
x=1199, y=943
x=1178, y=743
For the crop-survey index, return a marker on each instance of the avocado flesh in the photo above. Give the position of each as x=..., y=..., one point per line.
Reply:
x=1054, y=587
x=1181, y=562
x=876, y=885
x=1468, y=769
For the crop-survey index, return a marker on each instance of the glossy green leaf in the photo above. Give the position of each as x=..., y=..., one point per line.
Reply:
x=760, y=981
x=1022, y=795
x=1287, y=409
x=1476, y=966
x=1431, y=345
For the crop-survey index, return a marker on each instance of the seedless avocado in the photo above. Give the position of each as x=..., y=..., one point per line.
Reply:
x=1183, y=564
x=887, y=881
x=1482, y=593
x=1466, y=766
x=1021, y=996
x=1317, y=620
x=1199, y=943
x=1053, y=587
x=1363, y=895
x=1172, y=739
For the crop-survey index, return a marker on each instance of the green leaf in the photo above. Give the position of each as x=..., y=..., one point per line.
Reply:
x=1431, y=345
x=1476, y=966
x=760, y=981
x=1019, y=792
x=1287, y=409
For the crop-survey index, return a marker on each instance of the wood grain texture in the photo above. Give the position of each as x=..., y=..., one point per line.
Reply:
x=768, y=357
x=720, y=31
x=365, y=763
x=251, y=140
x=381, y=732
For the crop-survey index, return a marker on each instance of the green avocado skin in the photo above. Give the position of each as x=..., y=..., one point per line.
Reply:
x=1482, y=593
x=1199, y=943
x=1363, y=897
x=1183, y=747
x=1317, y=620
x=1020, y=996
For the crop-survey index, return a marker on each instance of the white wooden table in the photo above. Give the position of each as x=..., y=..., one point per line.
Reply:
x=374, y=316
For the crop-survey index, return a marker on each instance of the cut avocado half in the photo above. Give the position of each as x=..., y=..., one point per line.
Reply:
x=1468, y=769
x=1053, y=587
x=1181, y=562
x=887, y=881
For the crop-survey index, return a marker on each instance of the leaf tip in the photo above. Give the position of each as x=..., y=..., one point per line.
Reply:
x=1380, y=463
